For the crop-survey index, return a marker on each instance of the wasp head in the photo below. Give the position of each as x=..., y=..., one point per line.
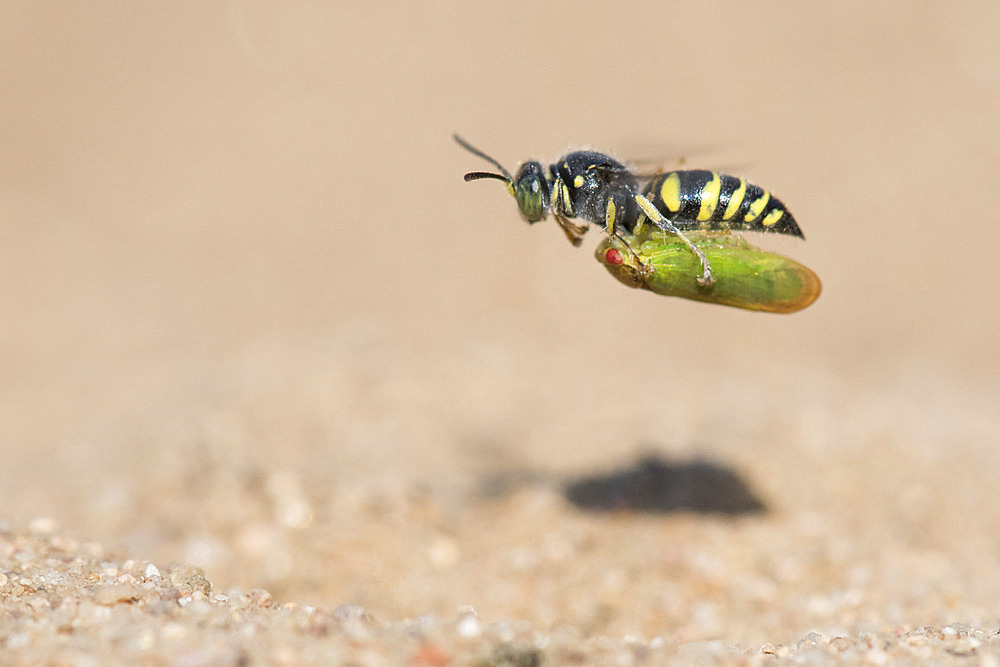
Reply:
x=529, y=187
x=531, y=191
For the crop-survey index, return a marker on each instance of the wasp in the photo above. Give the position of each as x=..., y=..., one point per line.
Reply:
x=596, y=188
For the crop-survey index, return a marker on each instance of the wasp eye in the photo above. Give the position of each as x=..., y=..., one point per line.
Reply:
x=612, y=256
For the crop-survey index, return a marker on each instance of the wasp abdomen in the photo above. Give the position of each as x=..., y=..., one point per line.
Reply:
x=710, y=200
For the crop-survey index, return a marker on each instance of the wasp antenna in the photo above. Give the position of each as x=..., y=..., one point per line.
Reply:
x=475, y=151
x=476, y=175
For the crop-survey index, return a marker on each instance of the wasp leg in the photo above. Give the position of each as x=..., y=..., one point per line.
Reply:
x=644, y=269
x=640, y=223
x=573, y=231
x=562, y=210
x=610, y=215
x=663, y=223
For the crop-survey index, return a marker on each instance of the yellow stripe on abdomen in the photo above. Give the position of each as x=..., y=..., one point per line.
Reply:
x=735, y=201
x=757, y=206
x=772, y=217
x=710, y=198
x=670, y=192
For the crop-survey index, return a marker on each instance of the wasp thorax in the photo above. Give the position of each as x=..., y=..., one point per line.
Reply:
x=531, y=191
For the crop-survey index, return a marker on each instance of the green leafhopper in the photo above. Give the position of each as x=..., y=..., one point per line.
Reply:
x=745, y=276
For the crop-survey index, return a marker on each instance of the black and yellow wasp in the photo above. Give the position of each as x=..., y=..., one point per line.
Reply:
x=596, y=188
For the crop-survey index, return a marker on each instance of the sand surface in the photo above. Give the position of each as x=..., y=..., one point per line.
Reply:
x=277, y=386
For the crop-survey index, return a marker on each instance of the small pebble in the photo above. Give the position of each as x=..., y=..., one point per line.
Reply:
x=43, y=526
x=108, y=595
x=469, y=627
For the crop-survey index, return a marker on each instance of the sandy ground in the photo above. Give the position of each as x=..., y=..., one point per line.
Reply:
x=278, y=386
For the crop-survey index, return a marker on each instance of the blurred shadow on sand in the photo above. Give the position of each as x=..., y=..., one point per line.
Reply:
x=652, y=485
x=656, y=485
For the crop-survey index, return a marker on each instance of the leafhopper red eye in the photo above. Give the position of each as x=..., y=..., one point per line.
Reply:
x=612, y=256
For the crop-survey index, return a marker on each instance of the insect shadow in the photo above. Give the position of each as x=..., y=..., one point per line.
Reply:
x=656, y=485
x=652, y=485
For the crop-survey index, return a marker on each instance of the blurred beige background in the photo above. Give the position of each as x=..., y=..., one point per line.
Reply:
x=253, y=319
